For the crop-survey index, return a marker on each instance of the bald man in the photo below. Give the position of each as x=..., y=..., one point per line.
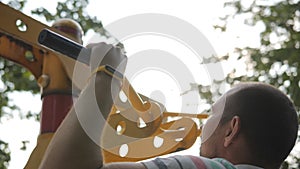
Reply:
x=252, y=126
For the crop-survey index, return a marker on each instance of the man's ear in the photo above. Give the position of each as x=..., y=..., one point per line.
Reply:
x=232, y=130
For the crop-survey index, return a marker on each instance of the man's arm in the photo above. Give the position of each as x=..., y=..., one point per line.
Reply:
x=72, y=148
x=76, y=145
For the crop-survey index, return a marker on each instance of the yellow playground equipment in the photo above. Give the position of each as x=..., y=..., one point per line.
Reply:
x=29, y=43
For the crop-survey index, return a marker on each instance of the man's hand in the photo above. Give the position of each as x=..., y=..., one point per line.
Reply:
x=106, y=54
x=106, y=87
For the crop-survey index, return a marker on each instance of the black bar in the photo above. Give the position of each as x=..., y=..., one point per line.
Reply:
x=69, y=48
x=64, y=46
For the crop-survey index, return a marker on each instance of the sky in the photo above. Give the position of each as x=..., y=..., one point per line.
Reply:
x=201, y=14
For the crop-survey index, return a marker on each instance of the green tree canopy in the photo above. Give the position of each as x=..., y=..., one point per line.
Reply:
x=277, y=59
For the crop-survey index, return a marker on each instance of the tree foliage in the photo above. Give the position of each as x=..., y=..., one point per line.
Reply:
x=74, y=9
x=4, y=154
x=277, y=59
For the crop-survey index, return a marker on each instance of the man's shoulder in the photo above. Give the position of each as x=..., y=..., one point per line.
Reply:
x=188, y=162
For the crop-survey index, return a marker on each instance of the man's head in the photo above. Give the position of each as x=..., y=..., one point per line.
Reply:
x=257, y=124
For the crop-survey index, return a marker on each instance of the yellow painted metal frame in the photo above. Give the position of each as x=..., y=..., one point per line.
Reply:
x=124, y=129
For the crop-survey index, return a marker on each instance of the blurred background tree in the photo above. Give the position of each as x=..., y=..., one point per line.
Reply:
x=275, y=61
x=277, y=58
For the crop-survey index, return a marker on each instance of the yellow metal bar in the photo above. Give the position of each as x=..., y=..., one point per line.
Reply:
x=134, y=97
x=21, y=28
x=11, y=18
x=19, y=34
x=173, y=114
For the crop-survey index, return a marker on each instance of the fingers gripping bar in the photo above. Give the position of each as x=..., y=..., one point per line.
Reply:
x=73, y=50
